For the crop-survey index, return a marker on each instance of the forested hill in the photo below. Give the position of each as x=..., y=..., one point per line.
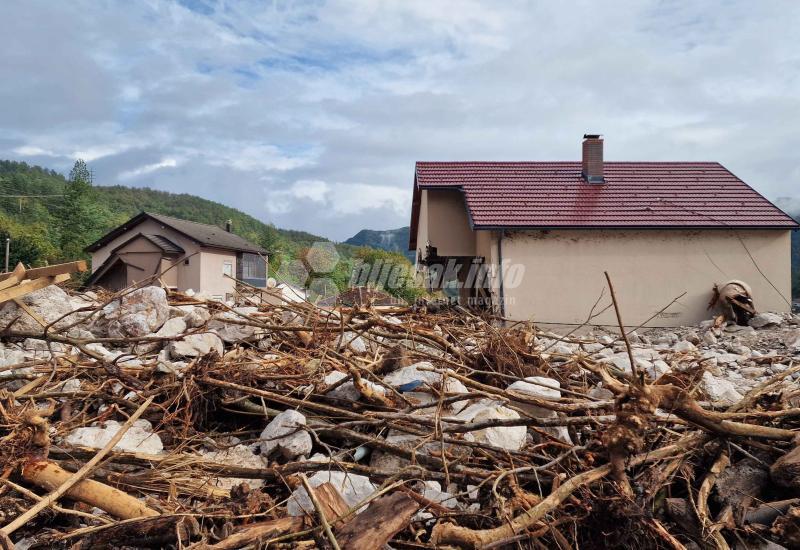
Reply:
x=32, y=205
x=393, y=240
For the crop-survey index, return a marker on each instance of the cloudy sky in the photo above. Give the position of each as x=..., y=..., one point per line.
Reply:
x=310, y=114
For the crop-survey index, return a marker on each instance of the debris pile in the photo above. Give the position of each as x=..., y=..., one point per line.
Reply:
x=155, y=420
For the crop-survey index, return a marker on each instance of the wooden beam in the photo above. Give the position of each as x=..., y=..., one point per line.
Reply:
x=26, y=288
x=49, y=271
x=10, y=281
x=36, y=317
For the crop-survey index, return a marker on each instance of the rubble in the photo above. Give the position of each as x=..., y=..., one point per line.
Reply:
x=174, y=406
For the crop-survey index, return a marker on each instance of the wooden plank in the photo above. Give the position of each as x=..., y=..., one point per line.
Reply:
x=376, y=526
x=49, y=271
x=26, y=288
x=9, y=281
x=30, y=312
x=332, y=503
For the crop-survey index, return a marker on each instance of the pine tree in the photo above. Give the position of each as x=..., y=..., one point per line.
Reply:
x=77, y=215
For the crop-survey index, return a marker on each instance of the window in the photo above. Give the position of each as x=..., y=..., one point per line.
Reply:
x=252, y=269
x=227, y=268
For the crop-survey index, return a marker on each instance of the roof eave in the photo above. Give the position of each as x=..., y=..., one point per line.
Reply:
x=794, y=227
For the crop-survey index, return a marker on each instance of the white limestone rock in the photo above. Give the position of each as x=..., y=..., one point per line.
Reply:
x=196, y=345
x=235, y=332
x=432, y=490
x=623, y=362
x=285, y=434
x=683, y=346
x=139, y=438
x=346, y=391
x=506, y=437
x=352, y=341
x=545, y=388
x=792, y=340
x=719, y=390
x=389, y=462
x=173, y=327
x=137, y=313
x=238, y=455
x=766, y=319
x=49, y=303
x=658, y=369
x=412, y=374
x=353, y=488
x=194, y=316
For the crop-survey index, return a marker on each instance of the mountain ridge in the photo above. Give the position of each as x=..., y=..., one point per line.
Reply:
x=391, y=240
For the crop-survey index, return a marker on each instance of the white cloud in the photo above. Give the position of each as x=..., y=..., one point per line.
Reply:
x=148, y=168
x=261, y=157
x=32, y=151
x=336, y=199
x=311, y=114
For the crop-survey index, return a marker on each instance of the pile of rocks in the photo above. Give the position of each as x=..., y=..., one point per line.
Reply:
x=468, y=418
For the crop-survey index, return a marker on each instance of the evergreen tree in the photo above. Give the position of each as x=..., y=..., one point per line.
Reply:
x=77, y=216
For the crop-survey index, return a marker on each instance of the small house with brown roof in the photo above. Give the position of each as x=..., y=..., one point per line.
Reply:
x=533, y=239
x=181, y=254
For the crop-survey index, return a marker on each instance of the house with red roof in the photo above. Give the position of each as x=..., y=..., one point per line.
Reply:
x=532, y=240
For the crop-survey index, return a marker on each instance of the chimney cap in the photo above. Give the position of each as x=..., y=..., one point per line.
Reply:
x=592, y=136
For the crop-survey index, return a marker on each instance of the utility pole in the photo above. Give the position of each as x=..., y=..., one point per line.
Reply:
x=8, y=247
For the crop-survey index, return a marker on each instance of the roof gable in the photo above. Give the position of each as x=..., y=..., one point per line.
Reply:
x=203, y=234
x=634, y=195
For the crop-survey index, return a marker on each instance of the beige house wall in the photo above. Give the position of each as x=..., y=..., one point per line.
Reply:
x=563, y=272
x=211, y=279
x=443, y=223
x=422, y=224
x=169, y=276
x=203, y=272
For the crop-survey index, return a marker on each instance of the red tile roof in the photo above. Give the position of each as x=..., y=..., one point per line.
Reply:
x=635, y=194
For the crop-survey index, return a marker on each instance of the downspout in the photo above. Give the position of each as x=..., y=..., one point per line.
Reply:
x=500, y=273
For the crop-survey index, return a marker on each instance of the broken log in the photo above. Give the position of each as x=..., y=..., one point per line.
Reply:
x=786, y=470
x=258, y=532
x=51, y=476
x=377, y=525
x=147, y=532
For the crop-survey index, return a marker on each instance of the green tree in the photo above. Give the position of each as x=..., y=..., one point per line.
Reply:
x=77, y=217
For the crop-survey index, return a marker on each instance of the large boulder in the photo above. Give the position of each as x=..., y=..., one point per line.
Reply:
x=49, y=304
x=135, y=314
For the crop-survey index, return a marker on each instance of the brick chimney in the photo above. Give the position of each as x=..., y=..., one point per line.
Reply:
x=229, y=224
x=592, y=162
